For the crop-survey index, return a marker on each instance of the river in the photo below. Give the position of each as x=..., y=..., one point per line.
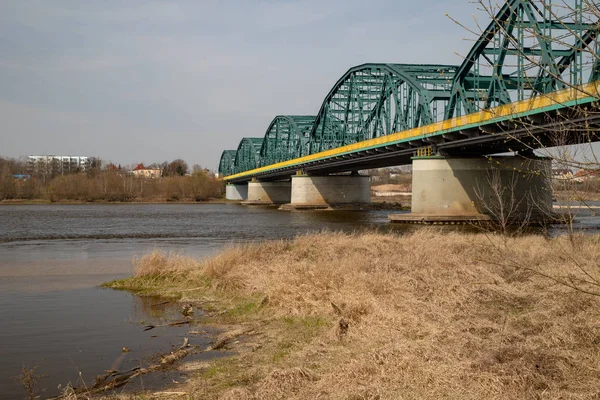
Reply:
x=53, y=258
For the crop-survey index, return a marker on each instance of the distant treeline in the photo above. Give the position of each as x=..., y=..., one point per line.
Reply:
x=97, y=184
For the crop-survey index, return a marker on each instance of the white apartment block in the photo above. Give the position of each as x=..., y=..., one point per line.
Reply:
x=55, y=165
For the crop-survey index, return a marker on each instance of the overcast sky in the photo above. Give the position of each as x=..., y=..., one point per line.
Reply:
x=148, y=80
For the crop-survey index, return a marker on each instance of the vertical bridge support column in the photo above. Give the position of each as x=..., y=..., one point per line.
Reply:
x=323, y=192
x=237, y=191
x=268, y=193
x=509, y=189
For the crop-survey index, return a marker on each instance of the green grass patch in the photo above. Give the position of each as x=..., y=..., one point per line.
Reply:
x=243, y=309
x=228, y=372
x=145, y=286
x=216, y=369
x=282, y=350
x=308, y=322
x=279, y=355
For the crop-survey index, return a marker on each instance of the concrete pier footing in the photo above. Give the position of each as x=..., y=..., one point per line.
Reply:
x=236, y=191
x=268, y=193
x=450, y=190
x=326, y=192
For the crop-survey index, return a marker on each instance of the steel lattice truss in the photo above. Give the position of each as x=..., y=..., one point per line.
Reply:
x=247, y=156
x=531, y=48
x=286, y=138
x=373, y=100
x=227, y=163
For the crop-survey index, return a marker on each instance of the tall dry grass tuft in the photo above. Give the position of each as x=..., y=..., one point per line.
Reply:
x=160, y=264
x=222, y=274
x=223, y=270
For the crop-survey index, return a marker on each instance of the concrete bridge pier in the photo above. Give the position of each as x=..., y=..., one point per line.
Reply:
x=506, y=189
x=237, y=191
x=327, y=192
x=268, y=193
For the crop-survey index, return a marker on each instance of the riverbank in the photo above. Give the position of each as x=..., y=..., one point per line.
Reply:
x=75, y=202
x=367, y=316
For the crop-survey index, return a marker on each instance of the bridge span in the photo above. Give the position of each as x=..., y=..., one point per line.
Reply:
x=530, y=81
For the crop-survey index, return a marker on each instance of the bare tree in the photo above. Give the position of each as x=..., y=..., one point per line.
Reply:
x=499, y=200
x=176, y=168
x=532, y=53
x=544, y=55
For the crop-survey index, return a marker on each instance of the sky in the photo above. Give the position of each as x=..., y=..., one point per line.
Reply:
x=156, y=80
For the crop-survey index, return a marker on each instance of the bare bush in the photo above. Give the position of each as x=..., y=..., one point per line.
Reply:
x=112, y=186
x=29, y=381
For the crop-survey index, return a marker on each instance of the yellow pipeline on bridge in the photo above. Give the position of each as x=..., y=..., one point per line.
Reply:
x=559, y=99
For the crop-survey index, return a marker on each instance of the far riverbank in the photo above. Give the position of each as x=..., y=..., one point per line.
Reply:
x=76, y=202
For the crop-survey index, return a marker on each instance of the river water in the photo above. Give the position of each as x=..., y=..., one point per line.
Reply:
x=56, y=318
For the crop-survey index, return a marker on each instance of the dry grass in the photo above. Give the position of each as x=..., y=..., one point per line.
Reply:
x=159, y=264
x=392, y=188
x=458, y=316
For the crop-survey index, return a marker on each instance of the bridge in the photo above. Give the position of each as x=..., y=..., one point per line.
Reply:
x=530, y=81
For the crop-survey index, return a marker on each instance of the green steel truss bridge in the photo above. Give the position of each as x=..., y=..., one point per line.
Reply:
x=537, y=60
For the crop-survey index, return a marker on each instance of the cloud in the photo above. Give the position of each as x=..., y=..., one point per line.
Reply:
x=153, y=80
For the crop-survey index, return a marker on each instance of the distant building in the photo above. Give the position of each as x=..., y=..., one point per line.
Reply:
x=112, y=167
x=585, y=175
x=22, y=177
x=562, y=174
x=143, y=172
x=57, y=165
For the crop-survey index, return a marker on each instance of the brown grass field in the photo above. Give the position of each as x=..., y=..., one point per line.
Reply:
x=372, y=316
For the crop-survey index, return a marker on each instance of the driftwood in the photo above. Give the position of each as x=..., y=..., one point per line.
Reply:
x=160, y=304
x=114, y=379
x=175, y=323
x=223, y=338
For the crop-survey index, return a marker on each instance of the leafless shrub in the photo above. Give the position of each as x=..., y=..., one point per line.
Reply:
x=106, y=186
x=29, y=381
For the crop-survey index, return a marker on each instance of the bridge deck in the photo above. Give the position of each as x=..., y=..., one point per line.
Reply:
x=398, y=148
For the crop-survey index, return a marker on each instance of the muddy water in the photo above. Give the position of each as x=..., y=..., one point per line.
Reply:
x=54, y=316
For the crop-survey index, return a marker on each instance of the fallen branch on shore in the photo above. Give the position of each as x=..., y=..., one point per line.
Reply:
x=175, y=323
x=114, y=379
x=223, y=338
x=160, y=304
